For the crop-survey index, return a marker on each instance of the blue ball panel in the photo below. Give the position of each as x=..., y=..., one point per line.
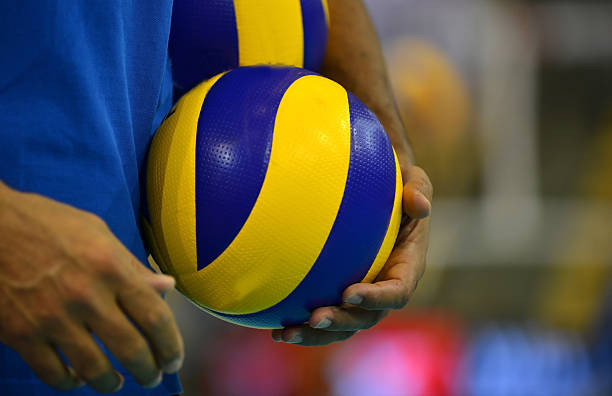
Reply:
x=233, y=144
x=357, y=233
x=315, y=33
x=203, y=41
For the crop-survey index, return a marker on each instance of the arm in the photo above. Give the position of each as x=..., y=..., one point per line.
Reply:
x=355, y=60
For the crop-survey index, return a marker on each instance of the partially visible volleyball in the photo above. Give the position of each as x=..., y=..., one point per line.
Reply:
x=210, y=37
x=269, y=191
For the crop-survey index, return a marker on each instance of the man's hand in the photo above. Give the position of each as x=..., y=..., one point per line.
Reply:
x=64, y=277
x=367, y=303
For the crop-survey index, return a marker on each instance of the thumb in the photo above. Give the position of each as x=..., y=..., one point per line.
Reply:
x=418, y=193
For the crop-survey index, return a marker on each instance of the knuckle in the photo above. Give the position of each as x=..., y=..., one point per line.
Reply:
x=100, y=254
x=400, y=296
x=80, y=292
x=157, y=318
x=402, y=300
x=50, y=322
x=111, y=272
x=92, y=368
x=132, y=353
x=104, y=258
x=20, y=334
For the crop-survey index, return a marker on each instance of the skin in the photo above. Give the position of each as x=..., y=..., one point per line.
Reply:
x=354, y=59
x=63, y=277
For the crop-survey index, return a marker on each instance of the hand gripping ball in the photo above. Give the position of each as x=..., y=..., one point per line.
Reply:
x=269, y=191
x=208, y=37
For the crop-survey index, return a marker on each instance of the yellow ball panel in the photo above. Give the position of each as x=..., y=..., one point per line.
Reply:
x=269, y=30
x=171, y=182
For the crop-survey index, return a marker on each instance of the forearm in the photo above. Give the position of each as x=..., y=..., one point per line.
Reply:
x=354, y=58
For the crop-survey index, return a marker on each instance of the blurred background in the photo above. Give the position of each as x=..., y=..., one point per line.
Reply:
x=508, y=105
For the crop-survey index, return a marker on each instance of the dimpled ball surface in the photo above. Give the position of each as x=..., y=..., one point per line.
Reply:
x=212, y=36
x=269, y=190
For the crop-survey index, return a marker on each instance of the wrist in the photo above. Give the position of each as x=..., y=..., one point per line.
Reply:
x=399, y=139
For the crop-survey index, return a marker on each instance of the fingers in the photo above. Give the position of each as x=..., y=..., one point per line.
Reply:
x=136, y=289
x=399, y=277
x=307, y=336
x=386, y=294
x=329, y=324
x=344, y=318
x=161, y=283
x=154, y=318
x=48, y=367
x=128, y=346
x=88, y=360
x=417, y=194
x=366, y=304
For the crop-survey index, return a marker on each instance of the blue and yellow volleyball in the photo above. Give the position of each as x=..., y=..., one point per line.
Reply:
x=269, y=191
x=210, y=37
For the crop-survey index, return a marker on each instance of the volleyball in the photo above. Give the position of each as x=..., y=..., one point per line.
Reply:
x=269, y=190
x=209, y=37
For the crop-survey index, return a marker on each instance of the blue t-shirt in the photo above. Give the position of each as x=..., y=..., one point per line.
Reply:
x=83, y=85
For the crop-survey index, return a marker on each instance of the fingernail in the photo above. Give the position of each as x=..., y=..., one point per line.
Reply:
x=173, y=366
x=354, y=299
x=120, y=384
x=296, y=338
x=78, y=382
x=323, y=324
x=155, y=382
